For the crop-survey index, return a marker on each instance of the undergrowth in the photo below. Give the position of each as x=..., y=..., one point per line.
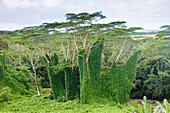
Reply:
x=43, y=104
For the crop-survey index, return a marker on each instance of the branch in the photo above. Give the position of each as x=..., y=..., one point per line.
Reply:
x=93, y=43
x=36, y=61
x=26, y=70
x=19, y=62
x=121, y=50
x=64, y=51
x=51, y=60
x=73, y=59
x=88, y=52
x=44, y=55
x=52, y=52
x=84, y=43
x=80, y=55
x=81, y=39
x=33, y=67
x=67, y=50
x=75, y=44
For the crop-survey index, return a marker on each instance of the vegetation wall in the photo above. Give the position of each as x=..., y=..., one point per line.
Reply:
x=56, y=78
x=117, y=83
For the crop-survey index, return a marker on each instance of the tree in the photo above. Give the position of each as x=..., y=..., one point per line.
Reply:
x=153, y=72
x=165, y=33
x=82, y=20
x=119, y=24
x=5, y=95
x=32, y=57
x=133, y=29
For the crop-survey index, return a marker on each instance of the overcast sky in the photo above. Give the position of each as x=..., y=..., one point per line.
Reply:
x=149, y=14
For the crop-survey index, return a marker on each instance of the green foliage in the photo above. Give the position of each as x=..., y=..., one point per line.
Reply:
x=5, y=94
x=74, y=90
x=3, y=43
x=152, y=74
x=71, y=89
x=81, y=71
x=67, y=72
x=90, y=73
x=164, y=33
x=84, y=74
x=63, y=81
x=42, y=104
x=148, y=108
x=2, y=66
x=166, y=105
x=14, y=79
x=152, y=78
x=145, y=108
x=133, y=29
x=94, y=65
x=56, y=79
x=117, y=83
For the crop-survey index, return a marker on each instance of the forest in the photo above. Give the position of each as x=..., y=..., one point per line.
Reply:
x=82, y=65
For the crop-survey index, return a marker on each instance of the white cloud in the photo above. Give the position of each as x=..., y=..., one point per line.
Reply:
x=91, y=3
x=79, y=6
x=144, y=13
x=137, y=7
x=19, y=3
x=12, y=26
x=50, y=20
x=52, y=3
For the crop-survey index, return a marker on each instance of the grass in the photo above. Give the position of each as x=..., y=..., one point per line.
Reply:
x=42, y=104
x=140, y=37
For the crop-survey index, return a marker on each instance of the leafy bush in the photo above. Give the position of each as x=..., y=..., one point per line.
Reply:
x=5, y=95
x=14, y=79
x=148, y=108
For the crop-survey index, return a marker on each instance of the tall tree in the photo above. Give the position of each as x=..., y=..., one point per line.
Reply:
x=32, y=59
x=165, y=32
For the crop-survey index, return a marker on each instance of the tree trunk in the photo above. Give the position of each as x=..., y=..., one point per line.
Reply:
x=36, y=82
x=7, y=105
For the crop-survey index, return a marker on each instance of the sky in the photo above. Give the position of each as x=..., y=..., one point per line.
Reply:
x=149, y=14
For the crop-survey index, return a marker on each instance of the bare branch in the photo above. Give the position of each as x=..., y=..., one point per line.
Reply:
x=80, y=55
x=67, y=49
x=64, y=51
x=19, y=62
x=84, y=43
x=52, y=52
x=75, y=44
x=36, y=61
x=93, y=43
x=42, y=51
x=81, y=39
x=74, y=52
x=121, y=50
x=88, y=52
x=51, y=60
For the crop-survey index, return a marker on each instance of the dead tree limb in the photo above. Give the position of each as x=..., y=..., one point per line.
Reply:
x=121, y=49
